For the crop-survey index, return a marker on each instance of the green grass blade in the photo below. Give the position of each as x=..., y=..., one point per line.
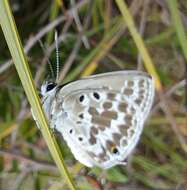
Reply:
x=175, y=15
x=53, y=14
x=11, y=35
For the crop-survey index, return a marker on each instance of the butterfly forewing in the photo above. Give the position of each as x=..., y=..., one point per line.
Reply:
x=101, y=117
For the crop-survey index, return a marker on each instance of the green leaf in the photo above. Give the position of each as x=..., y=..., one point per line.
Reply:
x=115, y=175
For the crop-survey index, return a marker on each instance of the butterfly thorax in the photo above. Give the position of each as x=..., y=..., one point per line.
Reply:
x=50, y=100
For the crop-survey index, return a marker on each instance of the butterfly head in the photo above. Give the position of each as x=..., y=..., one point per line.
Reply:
x=47, y=87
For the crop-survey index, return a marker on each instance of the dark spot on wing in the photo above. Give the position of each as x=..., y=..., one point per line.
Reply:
x=93, y=111
x=142, y=92
x=94, y=130
x=92, y=139
x=101, y=121
x=111, y=96
x=102, y=156
x=130, y=83
x=131, y=132
x=124, y=142
x=102, y=127
x=109, y=145
x=109, y=114
x=96, y=95
x=107, y=105
x=81, y=98
x=115, y=150
x=132, y=109
x=138, y=101
x=116, y=138
x=80, y=139
x=128, y=91
x=141, y=83
x=128, y=119
x=123, y=107
x=81, y=116
x=123, y=129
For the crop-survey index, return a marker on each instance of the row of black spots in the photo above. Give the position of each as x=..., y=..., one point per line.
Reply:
x=81, y=115
x=121, y=106
x=79, y=138
x=129, y=89
x=96, y=96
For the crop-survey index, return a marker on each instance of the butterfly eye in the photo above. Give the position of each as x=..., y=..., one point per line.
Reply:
x=50, y=86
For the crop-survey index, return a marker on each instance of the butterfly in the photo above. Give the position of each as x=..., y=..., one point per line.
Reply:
x=101, y=117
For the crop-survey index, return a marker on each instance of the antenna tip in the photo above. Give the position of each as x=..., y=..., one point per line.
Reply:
x=56, y=35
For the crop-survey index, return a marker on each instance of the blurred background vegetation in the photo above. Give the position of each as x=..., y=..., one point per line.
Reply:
x=92, y=39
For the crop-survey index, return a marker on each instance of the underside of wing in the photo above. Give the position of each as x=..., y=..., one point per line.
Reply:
x=105, y=115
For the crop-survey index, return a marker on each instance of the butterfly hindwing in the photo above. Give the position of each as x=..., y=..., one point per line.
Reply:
x=105, y=115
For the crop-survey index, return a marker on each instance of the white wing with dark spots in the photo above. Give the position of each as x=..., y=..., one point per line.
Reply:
x=101, y=117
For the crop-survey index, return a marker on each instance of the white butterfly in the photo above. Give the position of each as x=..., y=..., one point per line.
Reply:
x=101, y=117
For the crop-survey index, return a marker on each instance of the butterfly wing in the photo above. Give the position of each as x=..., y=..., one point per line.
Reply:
x=102, y=116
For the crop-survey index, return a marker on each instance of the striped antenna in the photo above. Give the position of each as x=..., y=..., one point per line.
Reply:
x=57, y=56
x=48, y=61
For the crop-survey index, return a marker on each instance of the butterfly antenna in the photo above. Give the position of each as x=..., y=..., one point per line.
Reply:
x=48, y=61
x=57, y=56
